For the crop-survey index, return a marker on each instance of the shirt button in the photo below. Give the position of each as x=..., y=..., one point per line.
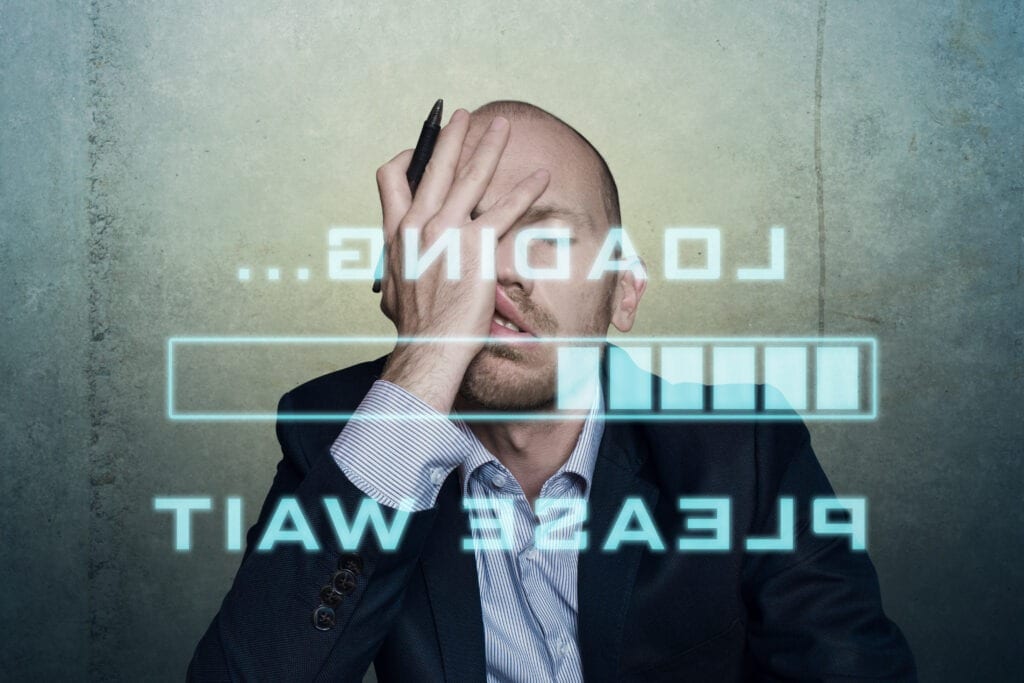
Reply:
x=437, y=476
x=531, y=554
x=498, y=480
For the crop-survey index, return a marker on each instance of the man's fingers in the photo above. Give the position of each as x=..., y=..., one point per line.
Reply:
x=395, y=196
x=476, y=174
x=507, y=210
x=469, y=146
x=437, y=179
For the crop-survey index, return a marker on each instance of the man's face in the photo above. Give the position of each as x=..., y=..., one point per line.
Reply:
x=508, y=374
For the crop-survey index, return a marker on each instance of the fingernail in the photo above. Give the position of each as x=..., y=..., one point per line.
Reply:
x=498, y=123
x=540, y=173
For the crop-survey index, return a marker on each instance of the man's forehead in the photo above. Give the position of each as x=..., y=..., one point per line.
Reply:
x=534, y=141
x=542, y=211
x=533, y=144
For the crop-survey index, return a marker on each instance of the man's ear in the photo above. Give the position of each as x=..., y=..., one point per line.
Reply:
x=631, y=285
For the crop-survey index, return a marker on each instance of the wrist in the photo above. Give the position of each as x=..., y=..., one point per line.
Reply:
x=431, y=372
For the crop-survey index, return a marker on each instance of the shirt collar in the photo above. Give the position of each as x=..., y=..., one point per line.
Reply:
x=580, y=462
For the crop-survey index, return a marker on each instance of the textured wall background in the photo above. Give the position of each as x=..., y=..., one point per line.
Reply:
x=148, y=150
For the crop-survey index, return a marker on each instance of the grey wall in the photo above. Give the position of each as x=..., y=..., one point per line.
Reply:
x=148, y=150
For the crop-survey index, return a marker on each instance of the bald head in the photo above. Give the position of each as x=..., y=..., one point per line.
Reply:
x=578, y=146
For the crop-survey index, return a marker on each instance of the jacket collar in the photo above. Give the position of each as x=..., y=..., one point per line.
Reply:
x=454, y=592
x=604, y=579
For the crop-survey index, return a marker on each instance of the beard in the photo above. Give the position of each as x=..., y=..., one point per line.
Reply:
x=507, y=379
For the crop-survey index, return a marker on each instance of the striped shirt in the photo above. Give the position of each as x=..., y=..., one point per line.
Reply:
x=527, y=595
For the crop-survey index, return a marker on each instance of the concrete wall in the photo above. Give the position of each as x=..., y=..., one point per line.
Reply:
x=148, y=150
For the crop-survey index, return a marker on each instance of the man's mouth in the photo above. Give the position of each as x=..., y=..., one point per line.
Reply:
x=505, y=329
x=507, y=321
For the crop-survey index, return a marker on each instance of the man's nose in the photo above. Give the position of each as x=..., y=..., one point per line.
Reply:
x=505, y=270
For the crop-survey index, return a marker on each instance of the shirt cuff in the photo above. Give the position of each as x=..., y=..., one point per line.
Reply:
x=397, y=449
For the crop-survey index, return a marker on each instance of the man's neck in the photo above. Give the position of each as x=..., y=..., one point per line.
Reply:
x=531, y=451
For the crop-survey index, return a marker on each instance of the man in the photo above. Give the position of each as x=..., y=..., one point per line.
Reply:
x=427, y=610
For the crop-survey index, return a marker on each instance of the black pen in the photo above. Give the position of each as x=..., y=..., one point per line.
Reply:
x=420, y=157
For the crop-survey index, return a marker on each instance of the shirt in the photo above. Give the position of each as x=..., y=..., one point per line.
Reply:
x=527, y=595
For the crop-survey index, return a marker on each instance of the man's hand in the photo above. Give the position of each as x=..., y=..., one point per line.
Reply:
x=432, y=305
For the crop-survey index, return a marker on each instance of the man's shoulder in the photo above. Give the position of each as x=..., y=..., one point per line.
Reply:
x=721, y=454
x=336, y=392
x=313, y=413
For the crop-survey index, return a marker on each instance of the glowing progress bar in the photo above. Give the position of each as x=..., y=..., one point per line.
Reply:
x=648, y=378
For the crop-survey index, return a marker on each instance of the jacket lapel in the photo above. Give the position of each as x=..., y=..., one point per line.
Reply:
x=605, y=579
x=453, y=590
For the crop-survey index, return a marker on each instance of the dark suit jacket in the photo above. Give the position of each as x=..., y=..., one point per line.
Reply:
x=811, y=614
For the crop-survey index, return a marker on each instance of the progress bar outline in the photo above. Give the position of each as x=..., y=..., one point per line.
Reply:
x=623, y=343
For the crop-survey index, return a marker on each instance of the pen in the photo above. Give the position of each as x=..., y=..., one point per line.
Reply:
x=420, y=157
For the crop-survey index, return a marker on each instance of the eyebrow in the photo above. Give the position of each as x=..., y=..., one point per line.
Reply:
x=539, y=212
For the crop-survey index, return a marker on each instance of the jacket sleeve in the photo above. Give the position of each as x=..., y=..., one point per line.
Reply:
x=265, y=630
x=816, y=612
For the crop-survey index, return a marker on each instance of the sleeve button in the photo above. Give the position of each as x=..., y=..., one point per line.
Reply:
x=329, y=596
x=437, y=476
x=323, y=618
x=344, y=581
x=351, y=562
